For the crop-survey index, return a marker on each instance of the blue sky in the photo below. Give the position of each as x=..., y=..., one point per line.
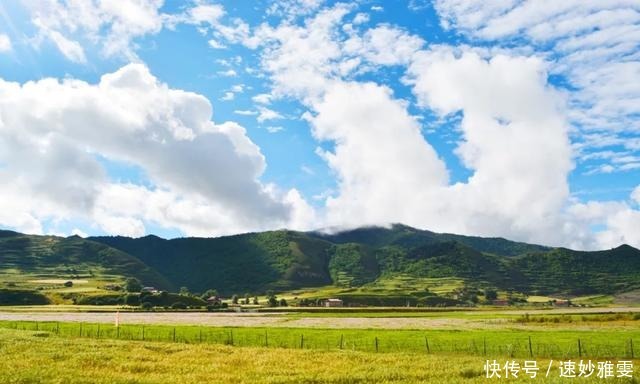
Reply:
x=518, y=119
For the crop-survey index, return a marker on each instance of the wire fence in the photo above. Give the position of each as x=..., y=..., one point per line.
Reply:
x=383, y=341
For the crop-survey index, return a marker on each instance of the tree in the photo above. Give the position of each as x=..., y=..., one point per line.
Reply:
x=255, y=300
x=490, y=294
x=273, y=302
x=234, y=299
x=283, y=303
x=147, y=306
x=179, y=305
x=209, y=293
x=68, y=283
x=133, y=285
x=247, y=298
x=184, y=291
x=132, y=300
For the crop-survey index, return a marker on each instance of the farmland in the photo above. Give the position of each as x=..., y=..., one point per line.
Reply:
x=47, y=356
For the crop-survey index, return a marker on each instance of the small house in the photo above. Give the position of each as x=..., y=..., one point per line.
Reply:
x=213, y=300
x=149, y=290
x=501, y=302
x=333, y=303
x=561, y=303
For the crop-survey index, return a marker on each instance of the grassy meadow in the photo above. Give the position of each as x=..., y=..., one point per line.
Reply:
x=41, y=357
x=543, y=342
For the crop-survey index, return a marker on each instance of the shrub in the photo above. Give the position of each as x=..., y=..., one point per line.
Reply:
x=68, y=283
x=132, y=300
x=178, y=305
x=133, y=285
x=22, y=297
x=147, y=306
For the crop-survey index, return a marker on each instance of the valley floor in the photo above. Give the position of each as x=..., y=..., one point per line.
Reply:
x=455, y=320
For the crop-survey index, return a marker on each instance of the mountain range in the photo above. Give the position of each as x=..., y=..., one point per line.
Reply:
x=285, y=260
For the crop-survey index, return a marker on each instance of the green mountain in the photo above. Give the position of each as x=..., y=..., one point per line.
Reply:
x=276, y=260
x=288, y=260
x=35, y=257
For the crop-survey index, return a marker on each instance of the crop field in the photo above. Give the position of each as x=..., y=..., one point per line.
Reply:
x=45, y=357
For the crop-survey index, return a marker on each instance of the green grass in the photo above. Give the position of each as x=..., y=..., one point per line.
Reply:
x=37, y=357
x=397, y=285
x=545, y=342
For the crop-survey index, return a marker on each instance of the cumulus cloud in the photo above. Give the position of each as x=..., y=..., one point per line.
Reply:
x=514, y=138
x=380, y=156
x=593, y=45
x=514, y=131
x=54, y=131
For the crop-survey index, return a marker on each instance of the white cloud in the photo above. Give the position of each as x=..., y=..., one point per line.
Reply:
x=245, y=112
x=294, y=8
x=72, y=50
x=5, y=43
x=308, y=170
x=205, y=13
x=301, y=59
x=213, y=43
x=385, y=45
x=262, y=98
x=79, y=232
x=265, y=114
x=593, y=45
x=53, y=131
x=635, y=195
x=361, y=18
x=228, y=96
x=111, y=24
x=514, y=126
x=380, y=157
x=377, y=8
x=274, y=129
x=228, y=73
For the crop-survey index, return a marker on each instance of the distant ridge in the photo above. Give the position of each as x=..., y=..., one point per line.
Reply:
x=285, y=260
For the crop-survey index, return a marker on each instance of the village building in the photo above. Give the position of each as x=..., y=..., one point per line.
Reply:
x=333, y=303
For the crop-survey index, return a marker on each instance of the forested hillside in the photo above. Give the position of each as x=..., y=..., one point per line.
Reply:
x=286, y=260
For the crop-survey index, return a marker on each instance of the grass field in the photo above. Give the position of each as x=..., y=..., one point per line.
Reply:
x=37, y=357
x=544, y=342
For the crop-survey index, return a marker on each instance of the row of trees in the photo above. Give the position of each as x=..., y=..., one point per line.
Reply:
x=134, y=285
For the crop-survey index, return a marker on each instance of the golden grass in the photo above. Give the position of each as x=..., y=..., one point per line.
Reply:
x=30, y=357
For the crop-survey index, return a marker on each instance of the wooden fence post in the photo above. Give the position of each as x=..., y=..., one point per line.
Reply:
x=530, y=348
x=579, y=348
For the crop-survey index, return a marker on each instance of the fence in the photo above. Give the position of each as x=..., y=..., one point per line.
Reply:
x=512, y=345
